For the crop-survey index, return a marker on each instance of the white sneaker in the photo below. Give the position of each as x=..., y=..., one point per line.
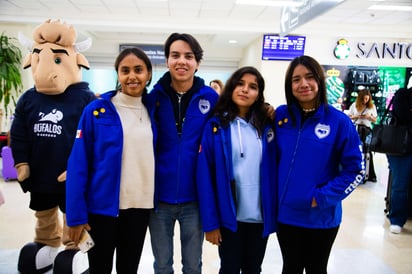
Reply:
x=395, y=229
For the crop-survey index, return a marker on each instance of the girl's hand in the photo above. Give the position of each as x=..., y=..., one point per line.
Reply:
x=214, y=237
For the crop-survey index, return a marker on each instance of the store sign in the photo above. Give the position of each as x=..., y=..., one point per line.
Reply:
x=363, y=50
x=342, y=50
x=155, y=53
x=294, y=16
x=399, y=50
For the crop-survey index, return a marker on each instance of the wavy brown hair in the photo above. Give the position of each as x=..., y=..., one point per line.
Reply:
x=359, y=100
x=227, y=110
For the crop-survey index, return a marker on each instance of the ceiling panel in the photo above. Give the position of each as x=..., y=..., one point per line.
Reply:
x=215, y=20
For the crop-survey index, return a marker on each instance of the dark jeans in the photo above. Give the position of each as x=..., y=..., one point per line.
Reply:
x=363, y=132
x=125, y=234
x=401, y=168
x=305, y=248
x=242, y=251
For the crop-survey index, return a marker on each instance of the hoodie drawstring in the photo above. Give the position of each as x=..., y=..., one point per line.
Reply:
x=240, y=138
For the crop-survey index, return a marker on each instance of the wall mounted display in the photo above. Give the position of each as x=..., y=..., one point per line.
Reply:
x=276, y=47
x=155, y=53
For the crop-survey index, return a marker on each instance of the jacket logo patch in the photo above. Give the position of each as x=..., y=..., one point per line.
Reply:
x=270, y=135
x=204, y=106
x=322, y=131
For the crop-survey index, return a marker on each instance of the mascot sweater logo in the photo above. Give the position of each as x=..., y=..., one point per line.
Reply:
x=48, y=124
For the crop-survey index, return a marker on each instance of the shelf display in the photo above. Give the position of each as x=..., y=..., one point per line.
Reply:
x=344, y=82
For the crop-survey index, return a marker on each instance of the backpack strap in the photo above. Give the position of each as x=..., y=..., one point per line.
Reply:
x=387, y=110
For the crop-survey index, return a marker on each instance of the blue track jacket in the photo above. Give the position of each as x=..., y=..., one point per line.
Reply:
x=176, y=156
x=215, y=178
x=320, y=158
x=94, y=166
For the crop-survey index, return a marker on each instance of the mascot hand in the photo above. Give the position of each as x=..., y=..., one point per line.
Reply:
x=23, y=171
x=62, y=177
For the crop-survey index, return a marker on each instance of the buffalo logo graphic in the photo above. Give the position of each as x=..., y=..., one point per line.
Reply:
x=54, y=116
x=322, y=131
x=48, y=126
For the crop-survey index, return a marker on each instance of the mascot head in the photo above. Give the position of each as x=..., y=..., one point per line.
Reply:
x=54, y=56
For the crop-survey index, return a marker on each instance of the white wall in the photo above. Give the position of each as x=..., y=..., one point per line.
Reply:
x=321, y=48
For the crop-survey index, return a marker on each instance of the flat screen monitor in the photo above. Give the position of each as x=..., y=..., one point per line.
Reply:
x=276, y=47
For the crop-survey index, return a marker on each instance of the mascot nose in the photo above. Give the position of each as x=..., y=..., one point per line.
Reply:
x=47, y=82
x=46, y=78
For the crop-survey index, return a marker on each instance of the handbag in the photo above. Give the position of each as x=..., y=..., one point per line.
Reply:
x=390, y=138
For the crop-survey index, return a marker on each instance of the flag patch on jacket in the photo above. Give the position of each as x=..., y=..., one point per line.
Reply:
x=79, y=134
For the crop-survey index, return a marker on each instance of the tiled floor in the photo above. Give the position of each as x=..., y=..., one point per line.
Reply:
x=363, y=246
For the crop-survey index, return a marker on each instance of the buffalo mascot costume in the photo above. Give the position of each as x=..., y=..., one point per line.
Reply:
x=42, y=135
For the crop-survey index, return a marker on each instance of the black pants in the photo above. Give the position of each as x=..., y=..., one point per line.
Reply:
x=305, y=248
x=363, y=132
x=242, y=251
x=125, y=233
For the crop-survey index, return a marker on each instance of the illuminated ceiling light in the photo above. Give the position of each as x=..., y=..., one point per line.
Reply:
x=232, y=41
x=269, y=3
x=390, y=7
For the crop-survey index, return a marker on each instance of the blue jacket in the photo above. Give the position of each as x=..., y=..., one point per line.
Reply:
x=176, y=156
x=94, y=167
x=320, y=157
x=215, y=179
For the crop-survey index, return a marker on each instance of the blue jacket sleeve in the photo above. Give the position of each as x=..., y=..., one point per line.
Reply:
x=205, y=177
x=78, y=172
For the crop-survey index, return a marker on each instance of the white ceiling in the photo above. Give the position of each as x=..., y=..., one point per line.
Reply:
x=219, y=20
x=211, y=21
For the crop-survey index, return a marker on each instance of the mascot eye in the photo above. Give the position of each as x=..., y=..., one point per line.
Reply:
x=57, y=60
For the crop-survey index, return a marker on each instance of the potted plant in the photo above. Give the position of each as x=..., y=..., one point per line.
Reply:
x=10, y=76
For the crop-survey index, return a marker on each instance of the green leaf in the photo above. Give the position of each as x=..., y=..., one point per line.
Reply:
x=10, y=72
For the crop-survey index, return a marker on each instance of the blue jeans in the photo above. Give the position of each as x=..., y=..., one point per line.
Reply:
x=161, y=225
x=401, y=168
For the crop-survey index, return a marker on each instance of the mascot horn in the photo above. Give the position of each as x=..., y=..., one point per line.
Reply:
x=42, y=135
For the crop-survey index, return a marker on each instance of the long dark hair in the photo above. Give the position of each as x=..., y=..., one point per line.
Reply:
x=318, y=73
x=139, y=54
x=227, y=110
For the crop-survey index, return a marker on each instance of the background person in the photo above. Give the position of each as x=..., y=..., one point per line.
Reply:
x=110, y=176
x=400, y=166
x=319, y=164
x=217, y=85
x=239, y=173
x=363, y=114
